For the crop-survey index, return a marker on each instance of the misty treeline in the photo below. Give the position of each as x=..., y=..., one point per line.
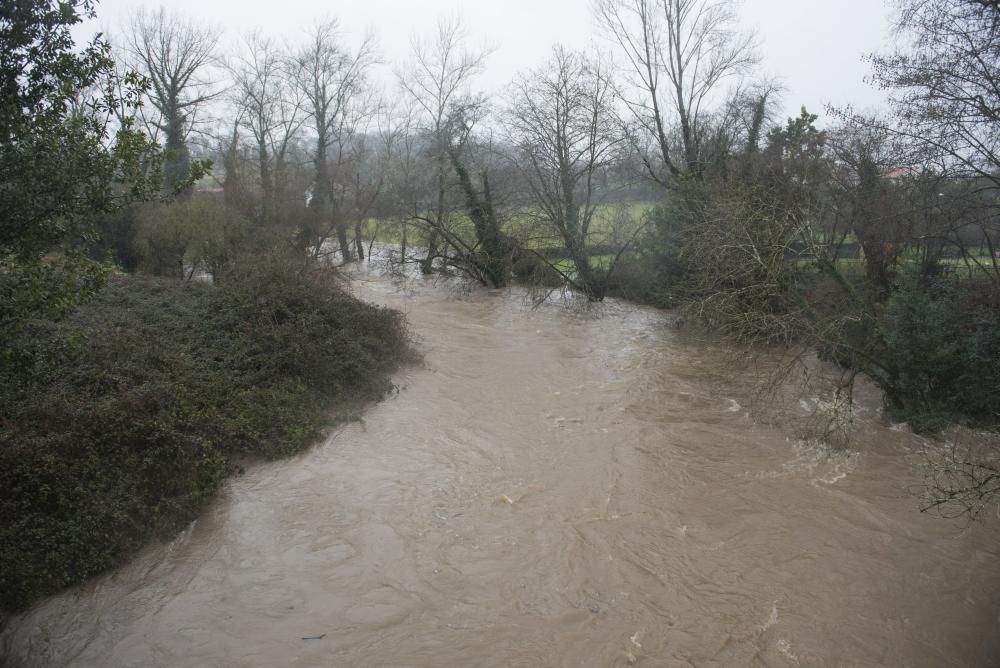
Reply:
x=320, y=145
x=323, y=140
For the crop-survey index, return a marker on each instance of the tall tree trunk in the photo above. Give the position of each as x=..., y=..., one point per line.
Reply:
x=428, y=263
x=266, y=185
x=177, y=166
x=230, y=161
x=402, y=245
x=493, y=261
x=359, y=243
x=326, y=207
x=345, y=244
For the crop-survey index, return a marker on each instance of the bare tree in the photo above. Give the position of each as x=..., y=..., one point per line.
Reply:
x=961, y=476
x=333, y=79
x=563, y=124
x=944, y=90
x=398, y=148
x=270, y=108
x=438, y=81
x=679, y=53
x=359, y=170
x=176, y=55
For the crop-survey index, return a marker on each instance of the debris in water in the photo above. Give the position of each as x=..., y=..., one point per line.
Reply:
x=785, y=648
x=772, y=619
x=630, y=657
x=319, y=637
x=635, y=638
x=503, y=498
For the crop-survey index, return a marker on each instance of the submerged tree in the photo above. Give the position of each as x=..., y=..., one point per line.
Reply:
x=437, y=81
x=333, y=79
x=489, y=259
x=563, y=126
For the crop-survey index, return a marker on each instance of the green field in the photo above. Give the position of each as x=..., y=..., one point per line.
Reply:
x=524, y=225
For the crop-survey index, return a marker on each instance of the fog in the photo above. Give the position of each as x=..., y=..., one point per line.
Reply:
x=815, y=49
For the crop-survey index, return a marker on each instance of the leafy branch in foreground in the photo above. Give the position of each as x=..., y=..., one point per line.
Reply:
x=69, y=153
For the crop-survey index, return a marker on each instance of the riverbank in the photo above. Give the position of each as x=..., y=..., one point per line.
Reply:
x=122, y=421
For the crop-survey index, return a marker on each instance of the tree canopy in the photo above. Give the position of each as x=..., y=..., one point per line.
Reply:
x=68, y=154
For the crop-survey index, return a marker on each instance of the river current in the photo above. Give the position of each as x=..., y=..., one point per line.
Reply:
x=553, y=485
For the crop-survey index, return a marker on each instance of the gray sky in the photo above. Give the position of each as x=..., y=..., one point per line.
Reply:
x=815, y=48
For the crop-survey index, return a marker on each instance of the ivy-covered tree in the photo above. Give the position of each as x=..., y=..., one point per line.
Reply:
x=65, y=158
x=174, y=54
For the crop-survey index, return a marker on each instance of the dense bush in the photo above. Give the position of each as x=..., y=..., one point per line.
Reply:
x=116, y=242
x=943, y=341
x=637, y=278
x=120, y=421
x=180, y=238
x=651, y=270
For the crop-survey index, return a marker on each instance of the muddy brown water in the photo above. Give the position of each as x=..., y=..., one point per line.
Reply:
x=551, y=487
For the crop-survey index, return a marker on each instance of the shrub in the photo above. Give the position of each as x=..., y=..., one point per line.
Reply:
x=180, y=238
x=116, y=238
x=535, y=271
x=123, y=419
x=943, y=338
x=637, y=277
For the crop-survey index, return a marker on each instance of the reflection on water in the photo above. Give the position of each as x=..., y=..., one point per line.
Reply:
x=554, y=486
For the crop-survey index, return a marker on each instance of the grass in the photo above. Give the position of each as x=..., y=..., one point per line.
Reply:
x=856, y=265
x=523, y=225
x=567, y=266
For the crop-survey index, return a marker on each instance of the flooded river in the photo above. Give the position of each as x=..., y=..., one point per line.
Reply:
x=553, y=486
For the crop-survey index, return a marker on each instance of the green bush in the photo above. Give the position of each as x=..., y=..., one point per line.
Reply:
x=656, y=270
x=123, y=419
x=115, y=240
x=943, y=339
x=638, y=278
x=179, y=238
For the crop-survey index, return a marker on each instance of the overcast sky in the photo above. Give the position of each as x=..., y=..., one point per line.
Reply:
x=814, y=47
